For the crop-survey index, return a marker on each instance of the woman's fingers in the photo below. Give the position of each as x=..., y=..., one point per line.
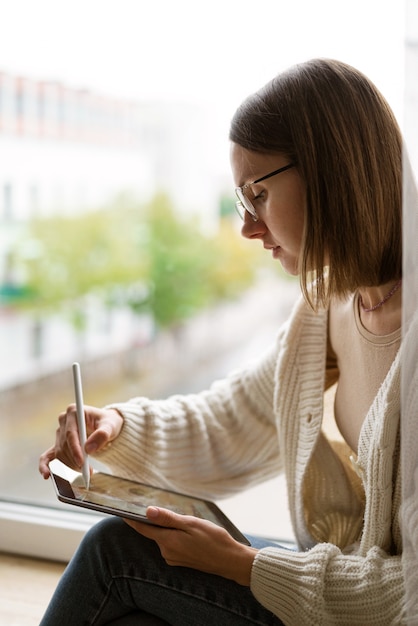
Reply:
x=102, y=425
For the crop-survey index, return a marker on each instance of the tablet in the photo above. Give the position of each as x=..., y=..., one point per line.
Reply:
x=129, y=499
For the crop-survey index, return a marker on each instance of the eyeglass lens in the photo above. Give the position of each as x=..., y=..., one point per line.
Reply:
x=243, y=205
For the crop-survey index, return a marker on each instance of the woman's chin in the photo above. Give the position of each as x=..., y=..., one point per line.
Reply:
x=290, y=265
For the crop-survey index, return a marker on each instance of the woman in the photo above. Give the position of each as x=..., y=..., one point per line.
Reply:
x=317, y=161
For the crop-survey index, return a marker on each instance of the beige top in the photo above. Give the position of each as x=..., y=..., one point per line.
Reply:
x=362, y=360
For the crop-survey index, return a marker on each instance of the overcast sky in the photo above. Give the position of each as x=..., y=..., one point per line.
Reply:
x=217, y=51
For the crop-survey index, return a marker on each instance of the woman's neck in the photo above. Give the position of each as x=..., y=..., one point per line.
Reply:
x=380, y=308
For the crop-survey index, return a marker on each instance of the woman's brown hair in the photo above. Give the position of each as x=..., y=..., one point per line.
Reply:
x=334, y=123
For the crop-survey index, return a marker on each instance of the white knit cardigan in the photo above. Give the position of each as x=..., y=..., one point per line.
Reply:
x=265, y=419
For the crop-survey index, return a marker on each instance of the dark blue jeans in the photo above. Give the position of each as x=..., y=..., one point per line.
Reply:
x=119, y=577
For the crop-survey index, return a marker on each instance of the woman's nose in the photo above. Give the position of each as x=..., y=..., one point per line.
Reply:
x=252, y=229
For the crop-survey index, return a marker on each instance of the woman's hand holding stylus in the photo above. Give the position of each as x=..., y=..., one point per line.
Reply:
x=102, y=425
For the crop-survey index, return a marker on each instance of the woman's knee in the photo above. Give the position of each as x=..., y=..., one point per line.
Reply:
x=114, y=544
x=104, y=541
x=105, y=529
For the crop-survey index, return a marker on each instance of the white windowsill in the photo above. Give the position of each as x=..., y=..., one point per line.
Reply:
x=42, y=532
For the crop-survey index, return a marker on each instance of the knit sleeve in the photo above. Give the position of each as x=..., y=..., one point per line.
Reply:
x=210, y=444
x=324, y=587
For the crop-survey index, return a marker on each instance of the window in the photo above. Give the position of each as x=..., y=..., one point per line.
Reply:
x=31, y=521
x=7, y=202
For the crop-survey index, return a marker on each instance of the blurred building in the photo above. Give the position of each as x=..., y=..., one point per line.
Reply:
x=66, y=150
x=69, y=149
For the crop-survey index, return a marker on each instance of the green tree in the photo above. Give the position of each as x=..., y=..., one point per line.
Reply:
x=179, y=257
x=63, y=259
x=148, y=258
x=188, y=270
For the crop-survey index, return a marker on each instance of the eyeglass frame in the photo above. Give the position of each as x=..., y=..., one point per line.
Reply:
x=245, y=203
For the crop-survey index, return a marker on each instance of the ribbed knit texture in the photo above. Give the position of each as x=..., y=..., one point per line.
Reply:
x=265, y=419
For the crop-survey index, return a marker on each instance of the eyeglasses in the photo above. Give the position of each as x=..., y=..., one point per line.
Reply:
x=243, y=204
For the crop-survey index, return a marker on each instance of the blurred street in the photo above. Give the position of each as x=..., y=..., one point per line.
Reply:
x=29, y=414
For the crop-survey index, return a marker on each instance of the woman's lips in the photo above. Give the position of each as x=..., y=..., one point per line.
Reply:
x=275, y=251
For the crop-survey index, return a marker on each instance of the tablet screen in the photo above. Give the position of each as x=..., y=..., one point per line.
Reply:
x=126, y=498
x=135, y=497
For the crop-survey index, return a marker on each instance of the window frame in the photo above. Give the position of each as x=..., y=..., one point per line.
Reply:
x=42, y=532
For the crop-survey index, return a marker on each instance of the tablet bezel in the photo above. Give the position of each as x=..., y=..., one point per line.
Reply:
x=65, y=493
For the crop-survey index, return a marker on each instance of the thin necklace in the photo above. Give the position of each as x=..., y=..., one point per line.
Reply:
x=382, y=302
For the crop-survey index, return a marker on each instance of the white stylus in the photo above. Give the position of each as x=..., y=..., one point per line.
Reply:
x=81, y=421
